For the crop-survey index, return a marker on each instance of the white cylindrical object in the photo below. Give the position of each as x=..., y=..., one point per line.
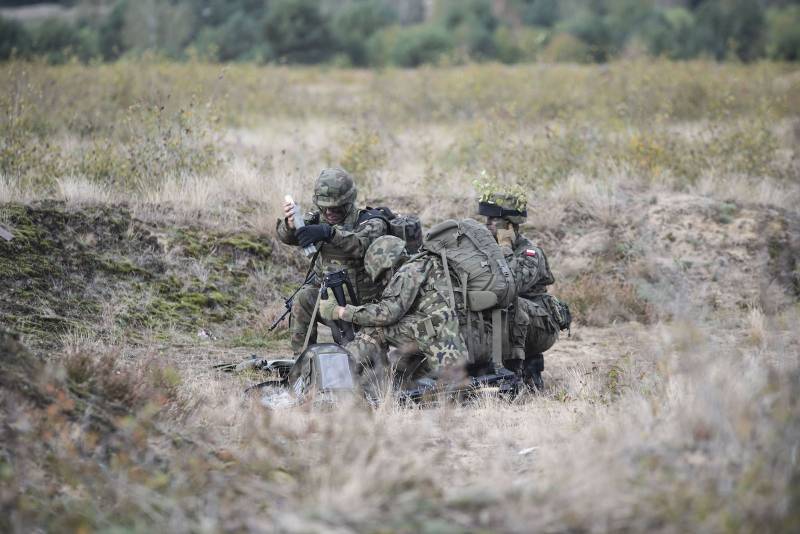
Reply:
x=299, y=223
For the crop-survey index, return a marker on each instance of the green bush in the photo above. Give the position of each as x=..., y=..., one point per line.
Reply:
x=237, y=38
x=594, y=32
x=355, y=23
x=783, y=34
x=514, y=45
x=731, y=28
x=109, y=37
x=539, y=12
x=14, y=39
x=56, y=40
x=564, y=47
x=416, y=45
x=297, y=31
x=670, y=33
x=471, y=25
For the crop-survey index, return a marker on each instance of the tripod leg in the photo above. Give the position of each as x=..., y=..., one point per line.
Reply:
x=313, y=322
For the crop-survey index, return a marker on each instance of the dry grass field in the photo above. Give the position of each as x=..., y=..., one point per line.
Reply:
x=143, y=198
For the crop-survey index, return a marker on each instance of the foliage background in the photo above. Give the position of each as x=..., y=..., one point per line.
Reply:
x=401, y=32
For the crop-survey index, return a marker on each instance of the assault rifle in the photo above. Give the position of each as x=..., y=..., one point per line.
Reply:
x=310, y=275
x=334, y=281
x=499, y=381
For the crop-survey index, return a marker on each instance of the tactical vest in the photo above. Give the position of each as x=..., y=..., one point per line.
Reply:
x=330, y=259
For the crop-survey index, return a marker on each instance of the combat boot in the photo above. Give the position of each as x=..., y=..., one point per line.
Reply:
x=534, y=365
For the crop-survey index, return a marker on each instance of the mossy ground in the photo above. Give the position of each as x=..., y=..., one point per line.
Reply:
x=100, y=269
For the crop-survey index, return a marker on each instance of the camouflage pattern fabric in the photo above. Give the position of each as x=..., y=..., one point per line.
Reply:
x=345, y=250
x=514, y=206
x=413, y=316
x=385, y=253
x=533, y=329
x=531, y=269
x=334, y=187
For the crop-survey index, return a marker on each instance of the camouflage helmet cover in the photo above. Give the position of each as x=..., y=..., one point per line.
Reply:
x=509, y=206
x=386, y=252
x=334, y=187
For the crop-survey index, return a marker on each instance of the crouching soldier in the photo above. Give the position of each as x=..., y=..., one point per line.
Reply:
x=412, y=314
x=534, y=329
x=342, y=235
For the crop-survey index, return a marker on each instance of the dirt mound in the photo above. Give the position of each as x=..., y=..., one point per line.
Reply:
x=66, y=267
x=655, y=258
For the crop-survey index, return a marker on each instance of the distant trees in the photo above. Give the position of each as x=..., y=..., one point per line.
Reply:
x=409, y=32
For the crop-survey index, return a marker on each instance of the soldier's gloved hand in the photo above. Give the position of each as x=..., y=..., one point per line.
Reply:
x=505, y=237
x=311, y=233
x=329, y=309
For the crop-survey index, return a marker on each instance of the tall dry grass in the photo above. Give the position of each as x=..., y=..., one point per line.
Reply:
x=660, y=192
x=693, y=430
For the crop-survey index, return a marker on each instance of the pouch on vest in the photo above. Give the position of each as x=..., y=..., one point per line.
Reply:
x=409, y=229
x=560, y=312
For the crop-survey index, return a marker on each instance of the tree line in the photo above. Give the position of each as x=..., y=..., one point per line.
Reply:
x=406, y=33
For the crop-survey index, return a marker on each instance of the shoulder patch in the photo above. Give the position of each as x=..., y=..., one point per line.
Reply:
x=530, y=252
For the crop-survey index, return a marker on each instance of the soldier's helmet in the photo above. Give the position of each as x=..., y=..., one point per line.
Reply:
x=334, y=188
x=508, y=206
x=386, y=252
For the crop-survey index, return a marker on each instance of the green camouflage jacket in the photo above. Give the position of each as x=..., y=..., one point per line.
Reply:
x=345, y=250
x=531, y=270
x=413, y=306
x=412, y=289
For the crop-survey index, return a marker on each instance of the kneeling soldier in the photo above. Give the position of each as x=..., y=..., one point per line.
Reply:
x=533, y=319
x=342, y=234
x=412, y=315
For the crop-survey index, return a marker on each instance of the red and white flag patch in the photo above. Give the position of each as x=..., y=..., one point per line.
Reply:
x=530, y=252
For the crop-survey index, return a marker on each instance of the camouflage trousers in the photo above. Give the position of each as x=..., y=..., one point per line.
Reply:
x=533, y=330
x=302, y=311
x=422, y=348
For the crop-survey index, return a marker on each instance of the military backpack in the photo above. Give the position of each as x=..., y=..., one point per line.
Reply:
x=475, y=262
x=406, y=227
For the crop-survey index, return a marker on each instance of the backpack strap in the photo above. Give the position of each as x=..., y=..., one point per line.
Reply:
x=464, y=279
x=451, y=293
x=384, y=214
x=497, y=337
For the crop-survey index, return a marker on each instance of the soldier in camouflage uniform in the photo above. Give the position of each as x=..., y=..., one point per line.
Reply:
x=342, y=234
x=533, y=318
x=413, y=314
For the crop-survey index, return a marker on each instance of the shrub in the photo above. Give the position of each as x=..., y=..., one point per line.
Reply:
x=540, y=12
x=56, y=40
x=594, y=32
x=421, y=44
x=567, y=48
x=110, y=42
x=14, y=39
x=297, y=31
x=669, y=33
x=783, y=34
x=731, y=27
x=355, y=23
x=471, y=23
x=363, y=156
x=519, y=44
x=597, y=301
x=237, y=38
x=163, y=27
